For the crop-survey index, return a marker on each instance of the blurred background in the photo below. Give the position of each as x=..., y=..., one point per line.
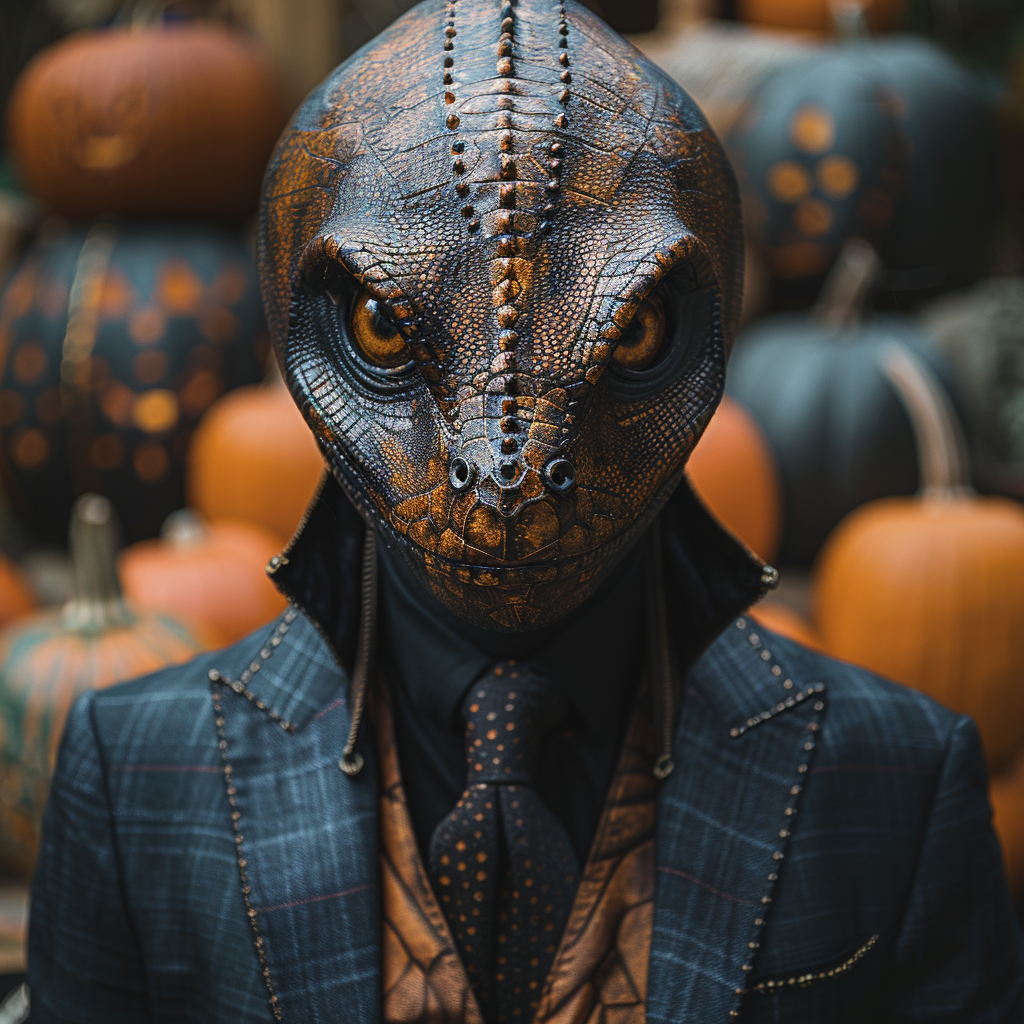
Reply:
x=871, y=443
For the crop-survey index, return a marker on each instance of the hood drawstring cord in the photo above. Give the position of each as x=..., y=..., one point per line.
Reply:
x=659, y=654
x=352, y=761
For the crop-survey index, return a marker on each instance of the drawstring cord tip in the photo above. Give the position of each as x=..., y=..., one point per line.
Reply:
x=351, y=763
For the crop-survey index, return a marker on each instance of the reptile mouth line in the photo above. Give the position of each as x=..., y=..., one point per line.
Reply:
x=549, y=568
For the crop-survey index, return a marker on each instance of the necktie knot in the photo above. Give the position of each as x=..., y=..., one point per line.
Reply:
x=507, y=712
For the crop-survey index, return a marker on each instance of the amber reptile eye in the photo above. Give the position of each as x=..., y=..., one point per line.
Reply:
x=642, y=340
x=376, y=335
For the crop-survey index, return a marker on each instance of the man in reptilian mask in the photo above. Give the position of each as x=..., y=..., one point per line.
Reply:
x=515, y=752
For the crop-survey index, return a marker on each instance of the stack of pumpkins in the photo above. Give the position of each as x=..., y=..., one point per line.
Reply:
x=874, y=162
x=923, y=589
x=138, y=304
x=135, y=308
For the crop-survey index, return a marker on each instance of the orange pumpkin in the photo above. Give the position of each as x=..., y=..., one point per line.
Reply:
x=175, y=120
x=818, y=15
x=16, y=595
x=47, y=660
x=253, y=457
x=733, y=471
x=1007, y=797
x=927, y=590
x=210, y=575
x=786, y=621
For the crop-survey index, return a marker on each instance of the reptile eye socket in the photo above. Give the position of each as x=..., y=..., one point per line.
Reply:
x=643, y=338
x=376, y=335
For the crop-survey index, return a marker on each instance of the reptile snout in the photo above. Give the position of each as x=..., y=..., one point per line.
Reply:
x=508, y=475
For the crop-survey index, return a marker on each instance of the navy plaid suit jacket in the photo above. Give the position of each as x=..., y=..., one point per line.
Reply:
x=847, y=833
x=824, y=846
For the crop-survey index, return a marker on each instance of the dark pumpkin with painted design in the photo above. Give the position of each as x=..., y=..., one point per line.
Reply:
x=888, y=141
x=838, y=432
x=113, y=342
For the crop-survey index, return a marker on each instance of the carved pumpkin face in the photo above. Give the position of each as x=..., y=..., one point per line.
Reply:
x=501, y=257
x=168, y=120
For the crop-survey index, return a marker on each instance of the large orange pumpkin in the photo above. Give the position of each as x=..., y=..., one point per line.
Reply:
x=172, y=120
x=47, y=660
x=928, y=590
x=818, y=16
x=733, y=470
x=253, y=457
x=210, y=575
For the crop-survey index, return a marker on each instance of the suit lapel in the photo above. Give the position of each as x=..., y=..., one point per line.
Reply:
x=305, y=835
x=745, y=738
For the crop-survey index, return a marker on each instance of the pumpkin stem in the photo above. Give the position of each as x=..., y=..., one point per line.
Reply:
x=97, y=604
x=856, y=269
x=183, y=529
x=141, y=13
x=848, y=19
x=941, y=449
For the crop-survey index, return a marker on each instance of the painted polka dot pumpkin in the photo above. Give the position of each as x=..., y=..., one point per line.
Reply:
x=113, y=342
x=888, y=141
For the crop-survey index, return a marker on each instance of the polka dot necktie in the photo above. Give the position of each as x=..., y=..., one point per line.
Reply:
x=501, y=862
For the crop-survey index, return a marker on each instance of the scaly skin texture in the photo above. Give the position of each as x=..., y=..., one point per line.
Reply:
x=510, y=180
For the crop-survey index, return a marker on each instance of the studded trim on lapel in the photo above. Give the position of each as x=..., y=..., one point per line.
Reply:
x=289, y=672
x=305, y=835
x=744, y=744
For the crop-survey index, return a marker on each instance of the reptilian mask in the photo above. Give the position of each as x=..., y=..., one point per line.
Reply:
x=501, y=258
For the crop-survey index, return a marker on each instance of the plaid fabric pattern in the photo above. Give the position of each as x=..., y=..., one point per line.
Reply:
x=787, y=845
x=790, y=837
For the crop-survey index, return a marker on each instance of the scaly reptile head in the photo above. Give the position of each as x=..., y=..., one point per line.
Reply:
x=501, y=257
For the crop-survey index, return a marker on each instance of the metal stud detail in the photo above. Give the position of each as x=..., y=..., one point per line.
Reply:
x=452, y=120
x=784, y=705
x=805, y=980
x=785, y=828
x=250, y=910
x=562, y=96
x=240, y=685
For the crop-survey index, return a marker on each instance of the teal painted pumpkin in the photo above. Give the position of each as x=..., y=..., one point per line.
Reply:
x=113, y=342
x=49, y=659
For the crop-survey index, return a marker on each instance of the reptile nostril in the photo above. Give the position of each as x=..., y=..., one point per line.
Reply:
x=508, y=471
x=460, y=473
x=560, y=475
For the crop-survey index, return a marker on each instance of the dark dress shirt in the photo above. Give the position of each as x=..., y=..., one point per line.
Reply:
x=430, y=658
